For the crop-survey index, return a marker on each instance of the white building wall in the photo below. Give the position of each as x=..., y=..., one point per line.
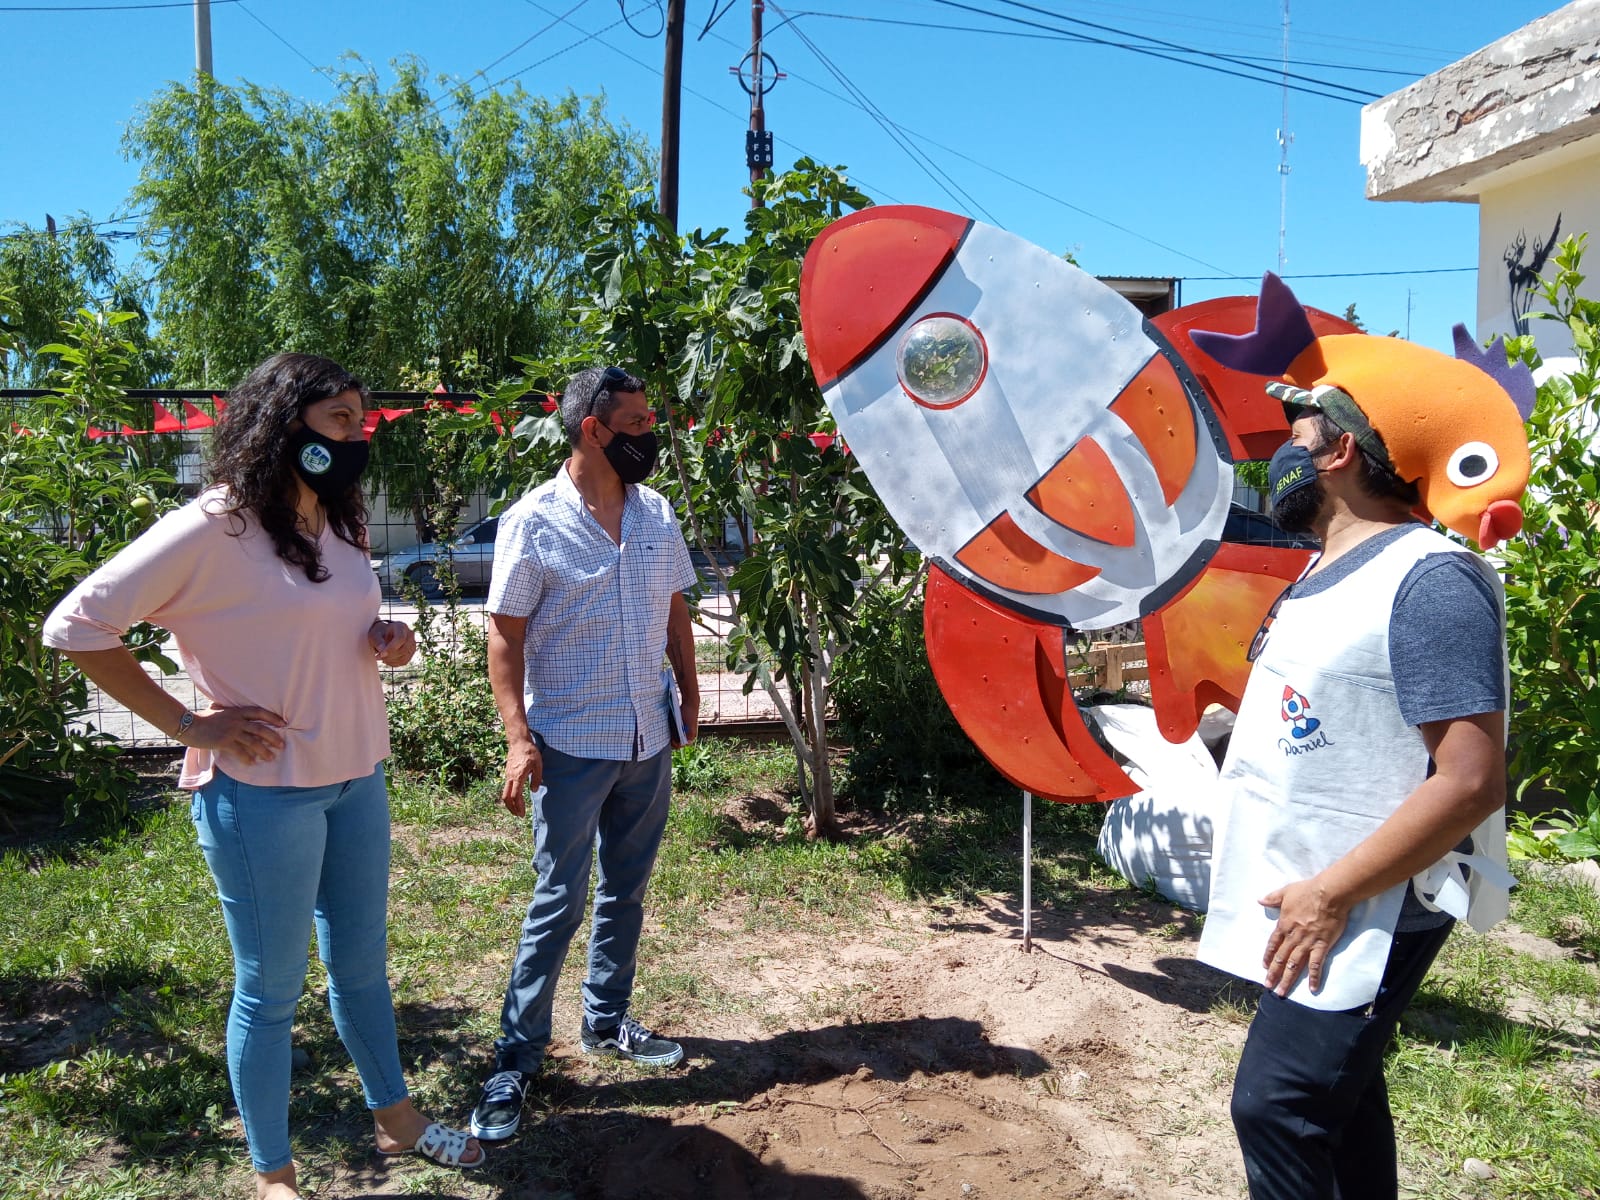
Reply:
x=1517, y=212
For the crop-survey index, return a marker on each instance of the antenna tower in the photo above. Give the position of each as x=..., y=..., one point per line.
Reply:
x=1284, y=138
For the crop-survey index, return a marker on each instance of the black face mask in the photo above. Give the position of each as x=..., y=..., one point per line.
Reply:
x=1295, y=490
x=631, y=455
x=328, y=467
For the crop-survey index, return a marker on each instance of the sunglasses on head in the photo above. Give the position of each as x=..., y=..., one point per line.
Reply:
x=609, y=378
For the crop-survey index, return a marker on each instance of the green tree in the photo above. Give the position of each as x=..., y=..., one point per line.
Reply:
x=48, y=275
x=1553, y=610
x=412, y=234
x=389, y=228
x=714, y=326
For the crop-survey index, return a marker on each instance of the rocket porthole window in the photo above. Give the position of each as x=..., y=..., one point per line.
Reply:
x=942, y=360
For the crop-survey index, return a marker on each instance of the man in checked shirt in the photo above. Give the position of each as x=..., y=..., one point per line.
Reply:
x=589, y=574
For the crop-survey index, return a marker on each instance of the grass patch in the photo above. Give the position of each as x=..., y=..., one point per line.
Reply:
x=115, y=978
x=1557, y=907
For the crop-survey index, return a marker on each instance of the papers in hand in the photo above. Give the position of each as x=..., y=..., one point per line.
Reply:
x=669, y=688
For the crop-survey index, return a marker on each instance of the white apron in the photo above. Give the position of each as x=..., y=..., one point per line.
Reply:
x=1321, y=757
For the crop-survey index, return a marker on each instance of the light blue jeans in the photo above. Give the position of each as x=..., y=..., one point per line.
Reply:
x=281, y=856
x=624, y=806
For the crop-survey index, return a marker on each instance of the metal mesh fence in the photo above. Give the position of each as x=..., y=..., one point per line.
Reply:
x=412, y=568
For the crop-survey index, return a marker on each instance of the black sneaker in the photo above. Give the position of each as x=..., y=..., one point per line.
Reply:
x=631, y=1040
x=499, y=1110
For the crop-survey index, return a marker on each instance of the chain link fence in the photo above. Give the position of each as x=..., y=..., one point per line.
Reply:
x=413, y=569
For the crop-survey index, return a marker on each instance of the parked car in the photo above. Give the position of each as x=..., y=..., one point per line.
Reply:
x=471, y=556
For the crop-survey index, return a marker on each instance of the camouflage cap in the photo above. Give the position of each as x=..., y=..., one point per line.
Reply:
x=1340, y=407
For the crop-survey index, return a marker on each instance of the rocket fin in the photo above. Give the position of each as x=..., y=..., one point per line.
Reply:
x=1196, y=644
x=1156, y=406
x=1003, y=555
x=1004, y=677
x=1084, y=492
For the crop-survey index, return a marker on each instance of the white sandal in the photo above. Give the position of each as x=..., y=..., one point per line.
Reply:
x=443, y=1145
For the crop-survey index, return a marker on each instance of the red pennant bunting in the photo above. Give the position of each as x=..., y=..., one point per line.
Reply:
x=165, y=421
x=195, y=417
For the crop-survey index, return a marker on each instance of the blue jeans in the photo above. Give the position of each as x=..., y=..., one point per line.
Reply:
x=625, y=804
x=1309, y=1102
x=281, y=856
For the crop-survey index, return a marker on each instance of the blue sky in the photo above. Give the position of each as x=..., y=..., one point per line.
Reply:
x=1136, y=164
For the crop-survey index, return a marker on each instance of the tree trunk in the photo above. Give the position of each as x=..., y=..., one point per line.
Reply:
x=824, y=822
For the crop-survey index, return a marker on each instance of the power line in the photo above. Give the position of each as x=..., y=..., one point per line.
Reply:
x=1271, y=80
x=1063, y=36
x=1338, y=274
x=716, y=15
x=245, y=9
x=432, y=108
x=1253, y=30
x=649, y=37
x=716, y=104
x=930, y=168
x=76, y=8
x=1011, y=179
x=1178, y=46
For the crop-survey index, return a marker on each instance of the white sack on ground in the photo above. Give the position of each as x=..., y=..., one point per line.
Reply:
x=1162, y=834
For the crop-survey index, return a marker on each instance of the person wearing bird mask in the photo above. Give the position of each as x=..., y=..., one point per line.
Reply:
x=1365, y=781
x=586, y=594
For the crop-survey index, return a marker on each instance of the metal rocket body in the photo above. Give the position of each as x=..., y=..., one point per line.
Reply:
x=1024, y=425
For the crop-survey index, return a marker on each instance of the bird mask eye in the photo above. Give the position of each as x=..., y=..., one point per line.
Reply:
x=1472, y=464
x=942, y=360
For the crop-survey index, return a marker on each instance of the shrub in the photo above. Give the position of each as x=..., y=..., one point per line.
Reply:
x=1552, y=609
x=69, y=502
x=905, y=746
x=443, y=722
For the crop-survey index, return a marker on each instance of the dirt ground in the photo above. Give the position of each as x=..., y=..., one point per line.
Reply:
x=963, y=1067
x=926, y=1057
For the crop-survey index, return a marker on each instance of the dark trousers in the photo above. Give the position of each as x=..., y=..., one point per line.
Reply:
x=1309, y=1102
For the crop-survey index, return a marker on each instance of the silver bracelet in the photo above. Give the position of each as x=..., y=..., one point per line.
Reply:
x=183, y=724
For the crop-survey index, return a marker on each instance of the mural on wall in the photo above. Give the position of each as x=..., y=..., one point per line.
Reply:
x=1064, y=465
x=1524, y=276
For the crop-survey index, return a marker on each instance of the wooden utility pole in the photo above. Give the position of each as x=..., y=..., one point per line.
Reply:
x=757, y=141
x=671, y=102
x=202, y=37
x=758, y=112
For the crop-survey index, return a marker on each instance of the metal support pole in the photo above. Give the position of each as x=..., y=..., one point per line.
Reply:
x=1027, y=872
x=202, y=37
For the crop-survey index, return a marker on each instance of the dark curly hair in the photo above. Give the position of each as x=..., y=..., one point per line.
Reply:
x=250, y=455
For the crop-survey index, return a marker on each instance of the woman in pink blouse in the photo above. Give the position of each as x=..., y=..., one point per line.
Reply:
x=265, y=583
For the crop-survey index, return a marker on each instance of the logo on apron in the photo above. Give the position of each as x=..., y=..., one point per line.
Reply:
x=1296, y=713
